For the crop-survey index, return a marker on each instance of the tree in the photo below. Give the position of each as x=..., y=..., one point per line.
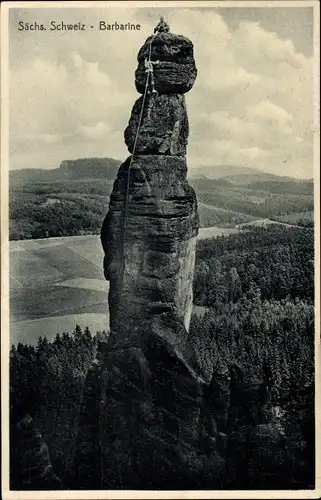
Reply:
x=235, y=286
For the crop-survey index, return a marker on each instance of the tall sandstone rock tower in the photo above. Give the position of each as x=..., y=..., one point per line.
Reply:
x=149, y=234
x=144, y=423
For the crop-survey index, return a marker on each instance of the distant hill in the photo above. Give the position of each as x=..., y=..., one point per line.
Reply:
x=98, y=168
x=83, y=168
x=234, y=174
x=239, y=175
x=254, y=181
x=247, y=178
x=220, y=171
x=261, y=177
x=106, y=168
x=210, y=215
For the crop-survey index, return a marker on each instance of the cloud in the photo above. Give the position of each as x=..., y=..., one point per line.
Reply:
x=268, y=112
x=46, y=138
x=49, y=100
x=96, y=131
x=252, y=102
x=254, y=152
x=260, y=44
x=231, y=78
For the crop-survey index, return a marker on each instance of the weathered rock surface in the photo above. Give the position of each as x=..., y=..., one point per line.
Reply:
x=164, y=125
x=151, y=419
x=155, y=253
x=30, y=458
x=149, y=406
x=176, y=71
x=168, y=47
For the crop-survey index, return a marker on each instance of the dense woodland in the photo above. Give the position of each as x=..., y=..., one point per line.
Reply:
x=62, y=208
x=256, y=293
x=46, y=382
x=277, y=263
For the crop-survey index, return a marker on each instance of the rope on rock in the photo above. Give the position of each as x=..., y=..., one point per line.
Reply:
x=132, y=156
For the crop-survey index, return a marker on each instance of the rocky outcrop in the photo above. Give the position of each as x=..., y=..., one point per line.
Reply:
x=150, y=407
x=150, y=263
x=176, y=72
x=149, y=233
x=30, y=458
x=152, y=421
x=153, y=417
x=170, y=135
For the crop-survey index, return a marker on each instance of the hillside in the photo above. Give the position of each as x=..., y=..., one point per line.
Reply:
x=221, y=171
x=256, y=176
x=210, y=215
x=73, y=199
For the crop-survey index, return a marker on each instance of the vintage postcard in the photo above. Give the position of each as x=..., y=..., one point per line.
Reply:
x=160, y=252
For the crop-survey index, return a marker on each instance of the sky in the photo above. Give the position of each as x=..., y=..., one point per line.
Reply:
x=71, y=93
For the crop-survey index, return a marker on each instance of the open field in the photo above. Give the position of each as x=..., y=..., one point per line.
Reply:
x=213, y=232
x=263, y=223
x=56, y=283
x=211, y=215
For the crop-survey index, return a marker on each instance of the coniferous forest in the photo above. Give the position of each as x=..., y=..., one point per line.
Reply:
x=254, y=314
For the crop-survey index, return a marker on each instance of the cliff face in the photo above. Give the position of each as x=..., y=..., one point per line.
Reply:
x=164, y=127
x=146, y=422
x=150, y=263
x=154, y=429
x=150, y=243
